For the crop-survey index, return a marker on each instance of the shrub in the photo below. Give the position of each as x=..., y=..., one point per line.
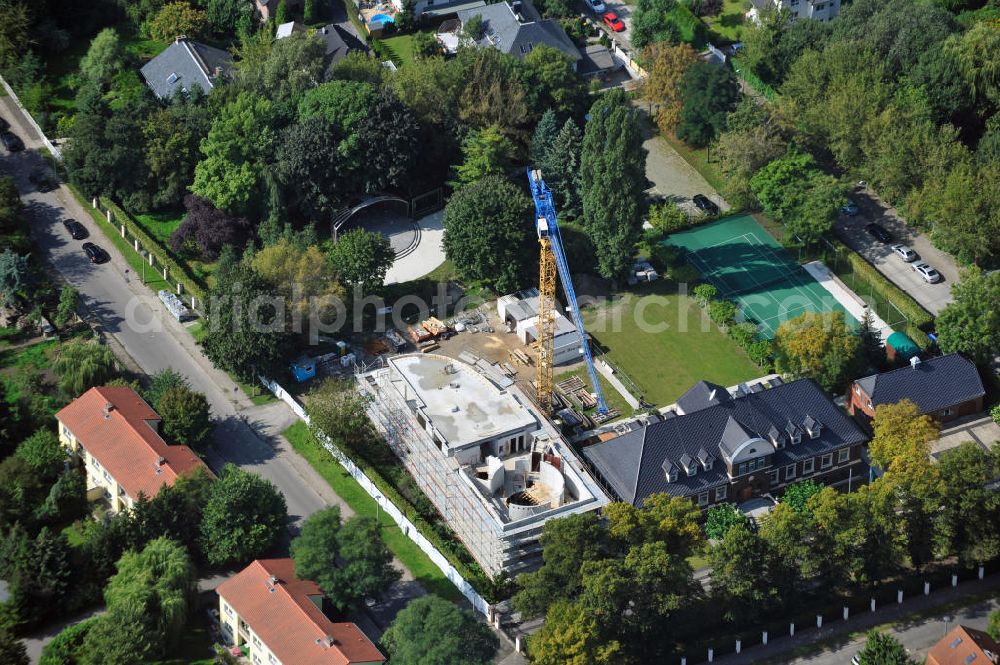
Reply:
x=684, y=274
x=995, y=414
x=722, y=311
x=743, y=333
x=705, y=293
x=760, y=352
x=668, y=217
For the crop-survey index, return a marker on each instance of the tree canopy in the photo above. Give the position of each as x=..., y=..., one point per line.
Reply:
x=244, y=516
x=819, y=346
x=431, y=630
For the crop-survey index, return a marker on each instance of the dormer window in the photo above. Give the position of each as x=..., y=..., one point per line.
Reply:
x=706, y=459
x=813, y=427
x=777, y=437
x=670, y=471
x=793, y=432
x=689, y=464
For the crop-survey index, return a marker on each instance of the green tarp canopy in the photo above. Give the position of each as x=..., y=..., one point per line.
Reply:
x=905, y=347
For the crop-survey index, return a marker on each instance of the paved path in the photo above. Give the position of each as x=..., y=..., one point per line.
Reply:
x=978, y=429
x=847, y=298
x=426, y=256
x=609, y=374
x=137, y=321
x=933, y=297
x=845, y=646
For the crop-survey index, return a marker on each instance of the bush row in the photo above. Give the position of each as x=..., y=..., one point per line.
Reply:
x=918, y=319
x=753, y=81
x=179, y=272
x=745, y=334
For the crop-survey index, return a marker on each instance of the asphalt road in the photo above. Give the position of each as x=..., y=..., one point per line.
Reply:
x=244, y=435
x=917, y=636
x=933, y=297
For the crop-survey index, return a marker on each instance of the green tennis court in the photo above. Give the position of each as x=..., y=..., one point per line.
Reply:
x=747, y=266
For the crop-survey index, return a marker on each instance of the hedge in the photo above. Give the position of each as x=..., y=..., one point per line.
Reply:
x=754, y=82
x=918, y=318
x=180, y=272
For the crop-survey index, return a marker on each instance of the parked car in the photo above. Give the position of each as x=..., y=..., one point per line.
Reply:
x=878, y=232
x=705, y=204
x=11, y=142
x=850, y=208
x=4, y=125
x=929, y=274
x=612, y=21
x=43, y=179
x=75, y=228
x=905, y=253
x=95, y=253
x=596, y=5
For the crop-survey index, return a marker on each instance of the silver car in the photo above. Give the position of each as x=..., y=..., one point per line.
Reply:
x=905, y=253
x=929, y=274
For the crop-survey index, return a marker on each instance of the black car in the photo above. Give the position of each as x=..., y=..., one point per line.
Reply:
x=76, y=230
x=878, y=232
x=705, y=205
x=95, y=253
x=43, y=179
x=4, y=125
x=11, y=142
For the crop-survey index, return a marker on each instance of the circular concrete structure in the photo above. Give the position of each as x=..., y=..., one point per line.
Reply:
x=392, y=223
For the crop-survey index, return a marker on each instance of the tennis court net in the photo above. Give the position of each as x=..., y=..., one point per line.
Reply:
x=729, y=287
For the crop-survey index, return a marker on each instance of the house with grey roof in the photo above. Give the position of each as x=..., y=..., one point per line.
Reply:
x=516, y=30
x=945, y=388
x=184, y=65
x=721, y=447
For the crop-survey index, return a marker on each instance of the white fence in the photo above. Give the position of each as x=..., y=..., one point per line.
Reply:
x=56, y=152
x=477, y=601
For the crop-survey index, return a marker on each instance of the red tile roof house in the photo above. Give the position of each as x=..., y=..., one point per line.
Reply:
x=945, y=388
x=114, y=434
x=965, y=646
x=277, y=617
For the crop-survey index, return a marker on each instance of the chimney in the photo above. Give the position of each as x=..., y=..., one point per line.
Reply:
x=161, y=460
x=108, y=408
x=272, y=580
x=914, y=361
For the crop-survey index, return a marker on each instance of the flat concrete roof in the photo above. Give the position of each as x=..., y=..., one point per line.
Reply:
x=461, y=404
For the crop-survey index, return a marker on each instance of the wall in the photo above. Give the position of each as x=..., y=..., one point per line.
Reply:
x=477, y=601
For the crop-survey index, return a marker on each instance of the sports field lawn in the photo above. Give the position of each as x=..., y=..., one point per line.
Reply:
x=663, y=364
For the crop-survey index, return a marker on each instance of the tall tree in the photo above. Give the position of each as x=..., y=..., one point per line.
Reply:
x=244, y=516
x=664, y=85
x=709, y=93
x=337, y=411
x=431, y=630
x=178, y=18
x=570, y=634
x=286, y=70
x=487, y=233
x=819, y=346
x=187, y=418
x=484, y=152
x=883, y=649
x=43, y=453
x=171, y=137
x=550, y=82
x=561, y=169
x=104, y=58
x=971, y=323
x=206, y=230
x=311, y=166
x=969, y=522
x=745, y=574
x=544, y=136
x=81, y=365
x=612, y=181
x=362, y=258
x=14, y=277
x=389, y=138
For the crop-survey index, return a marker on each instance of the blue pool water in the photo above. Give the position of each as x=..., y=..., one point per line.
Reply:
x=383, y=18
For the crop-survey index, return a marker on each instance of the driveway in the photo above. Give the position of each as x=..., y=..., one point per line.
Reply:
x=980, y=429
x=933, y=297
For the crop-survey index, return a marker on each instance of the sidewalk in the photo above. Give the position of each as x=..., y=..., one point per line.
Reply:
x=778, y=646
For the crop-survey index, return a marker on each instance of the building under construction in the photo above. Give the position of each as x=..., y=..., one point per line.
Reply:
x=494, y=467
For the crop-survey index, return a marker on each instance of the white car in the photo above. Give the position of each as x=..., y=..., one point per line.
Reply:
x=929, y=274
x=596, y=5
x=905, y=253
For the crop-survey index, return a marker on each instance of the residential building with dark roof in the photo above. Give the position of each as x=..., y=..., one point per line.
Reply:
x=184, y=65
x=965, y=646
x=115, y=436
x=945, y=388
x=515, y=30
x=723, y=448
x=279, y=619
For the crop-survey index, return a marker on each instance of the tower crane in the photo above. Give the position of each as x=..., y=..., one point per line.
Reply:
x=553, y=259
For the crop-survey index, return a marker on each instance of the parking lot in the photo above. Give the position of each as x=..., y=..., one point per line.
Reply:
x=933, y=297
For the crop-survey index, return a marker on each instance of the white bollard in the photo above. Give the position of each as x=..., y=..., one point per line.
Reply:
x=684, y=660
x=739, y=646
x=193, y=301
x=981, y=571
x=150, y=258
x=109, y=217
x=873, y=604
x=123, y=230
x=954, y=580
x=819, y=620
x=763, y=638
x=135, y=244
x=711, y=655
x=518, y=644
x=93, y=202
x=847, y=613
x=927, y=588
x=899, y=596
x=791, y=630
x=180, y=287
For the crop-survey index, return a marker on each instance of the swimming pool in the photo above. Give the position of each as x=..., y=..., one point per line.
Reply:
x=383, y=19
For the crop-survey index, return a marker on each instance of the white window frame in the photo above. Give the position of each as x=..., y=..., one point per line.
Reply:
x=703, y=499
x=843, y=455
x=721, y=493
x=692, y=470
x=826, y=461
x=791, y=468
x=227, y=609
x=808, y=466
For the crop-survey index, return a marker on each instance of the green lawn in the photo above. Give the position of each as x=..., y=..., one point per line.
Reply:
x=160, y=225
x=664, y=364
x=399, y=49
x=611, y=396
x=195, y=646
x=422, y=568
x=728, y=24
